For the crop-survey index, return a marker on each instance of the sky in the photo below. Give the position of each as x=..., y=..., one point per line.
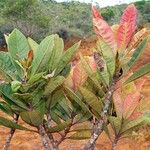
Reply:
x=104, y=3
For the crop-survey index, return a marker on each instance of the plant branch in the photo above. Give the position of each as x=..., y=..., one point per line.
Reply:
x=44, y=137
x=10, y=136
x=98, y=127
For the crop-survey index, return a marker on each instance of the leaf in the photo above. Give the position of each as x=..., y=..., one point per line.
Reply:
x=81, y=135
x=33, y=45
x=124, y=35
x=118, y=102
x=137, y=53
x=18, y=46
x=15, y=85
x=115, y=123
x=130, y=103
x=91, y=100
x=66, y=57
x=53, y=84
x=59, y=127
x=6, y=108
x=103, y=30
x=108, y=56
x=129, y=125
x=130, y=16
x=42, y=55
x=139, y=73
x=56, y=53
x=10, y=124
x=7, y=69
x=35, y=77
x=71, y=95
x=33, y=118
x=96, y=13
x=79, y=76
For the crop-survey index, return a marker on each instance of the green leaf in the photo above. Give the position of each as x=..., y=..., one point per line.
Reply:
x=10, y=124
x=42, y=55
x=59, y=127
x=66, y=58
x=7, y=69
x=139, y=73
x=53, y=84
x=137, y=53
x=56, y=53
x=108, y=55
x=33, y=45
x=6, y=108
x=115, y=123
x=15, y=85
x=33, y=118
x=55, y=117
x=71, y=95
x=129, y=125
x=81, y=135
x=18, y=46
x=35, y=77
x=91, y=100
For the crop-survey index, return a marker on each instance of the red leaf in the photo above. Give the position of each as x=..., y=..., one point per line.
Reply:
x=127, y=26
x=130, y=16
x=130, y=103
x=96, y=13
x=103, y=30
x=30, y=55
x=135, y=116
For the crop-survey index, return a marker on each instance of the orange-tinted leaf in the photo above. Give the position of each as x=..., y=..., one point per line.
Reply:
x=135, y=116
x=103, y=30
x=130, y=103
x=79, y=75
x=118, y=102
x=30, y=55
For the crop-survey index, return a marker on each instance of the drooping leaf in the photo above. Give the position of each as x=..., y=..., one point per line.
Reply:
x=59, y=127
x=115, y=123
x=76, y=98
x=137, y=52
x=139, y=73
x=53, y=84
x=6, y=108
x=91, y=100
x=81, y=135
x=66, y=57
x=18, y=46
x=33, y=118
x=10, y=124
x=42, y=55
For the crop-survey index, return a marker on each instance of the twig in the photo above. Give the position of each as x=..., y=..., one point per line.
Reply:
x=44, y=137
x=10, y=136
x=98, y=127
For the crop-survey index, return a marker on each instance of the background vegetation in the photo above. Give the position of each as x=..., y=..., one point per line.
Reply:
x=39, y=18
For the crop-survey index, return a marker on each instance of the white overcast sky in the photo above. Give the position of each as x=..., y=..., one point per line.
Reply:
x=103, y=3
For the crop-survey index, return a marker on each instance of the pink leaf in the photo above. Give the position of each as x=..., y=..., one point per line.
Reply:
x=135, y=116
x=130, y=103
x=103, y=30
